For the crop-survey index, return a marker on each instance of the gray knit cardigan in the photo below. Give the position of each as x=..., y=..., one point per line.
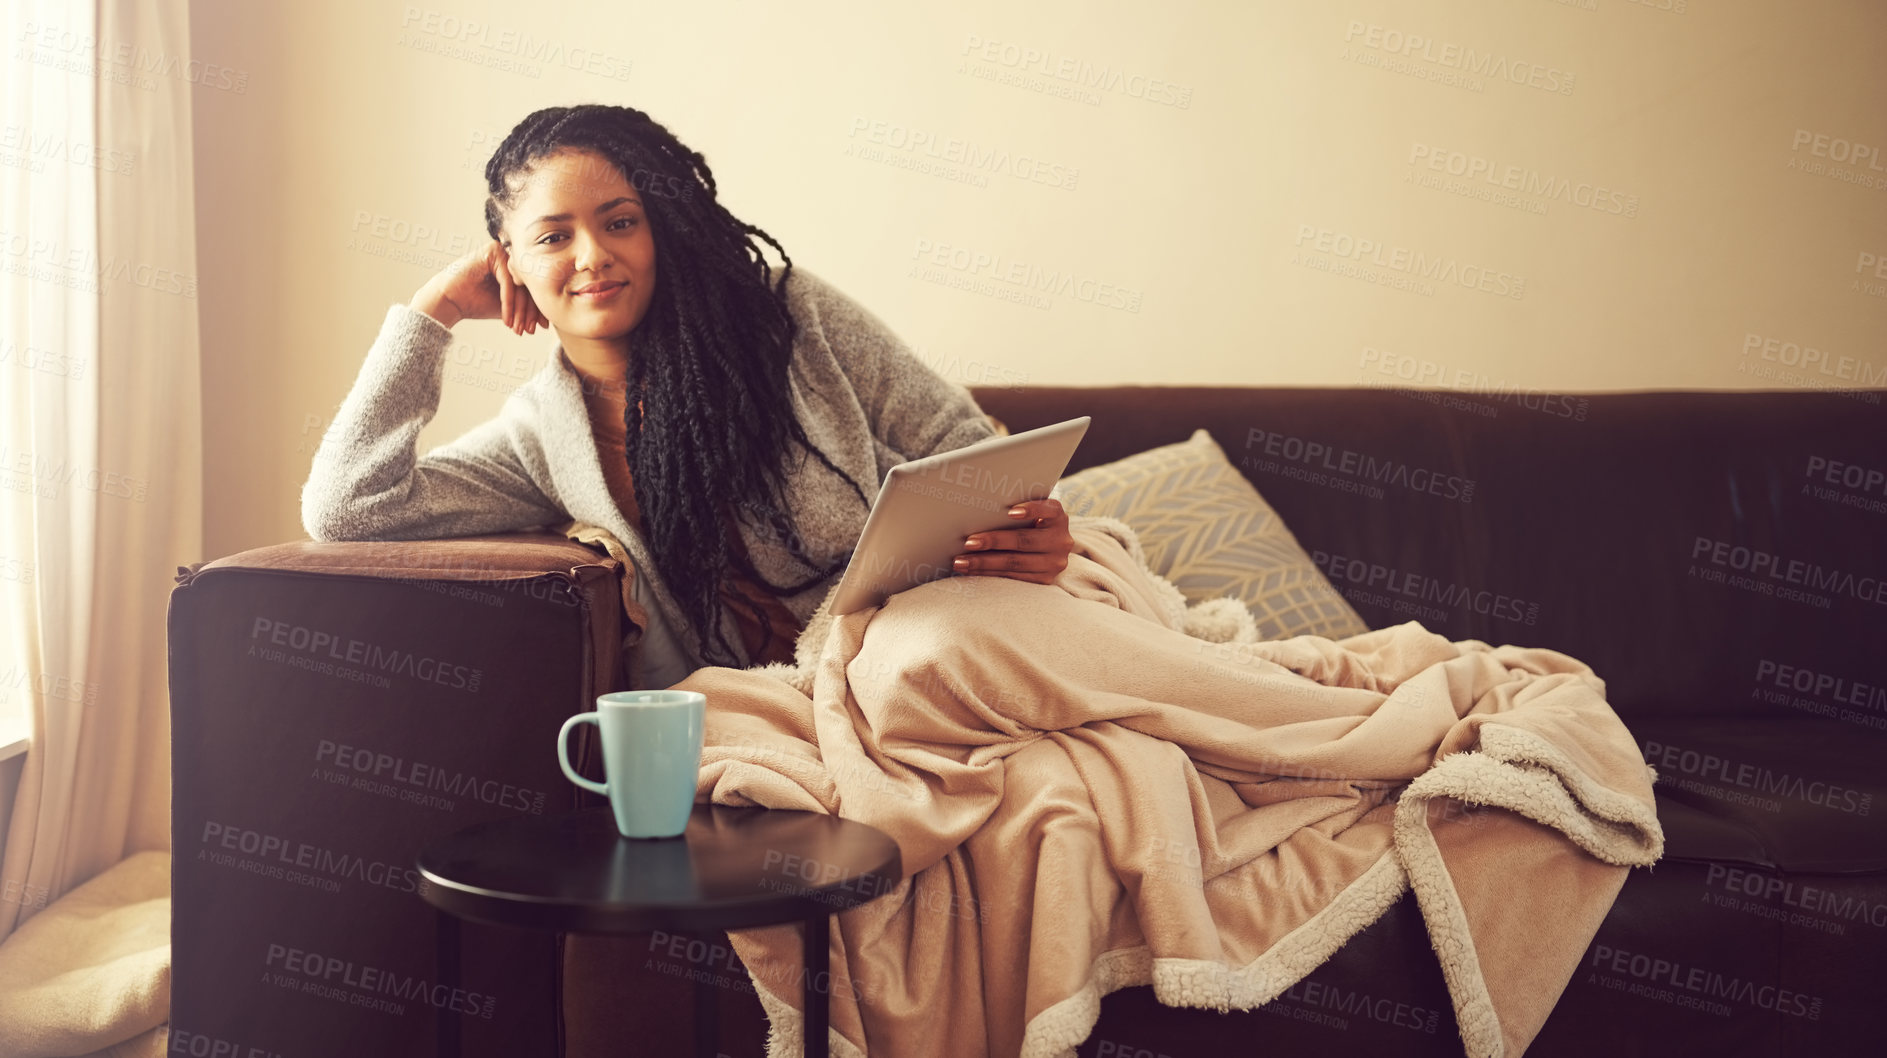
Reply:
x=859, y=392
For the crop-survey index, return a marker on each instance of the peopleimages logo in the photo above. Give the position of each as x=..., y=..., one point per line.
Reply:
x=1838, y=149
x=1026, y=276
x=298, y=861
x=1113, y=1049
x=1448, y=55
x=1428, y=589
x=1792, y=354
x=1700, y=985
x=1838, y=689
x=1083, y=78
x=1361, y=1004
x=17, y=137
x=966, y=153
x=1424, y=372
x=122, y=62
x=1798, y=896
x=1360, y=465
x=48, y=260
x=513, y=43
x=1474, y=167
x=366, y=769
x=55, y=471
x=1412, y=263
x=1708, y=767
x=1828, y=479
x=54, y=362
x=331, y=978
x=1756, y=563
x=201, y=1045
x=372, y=655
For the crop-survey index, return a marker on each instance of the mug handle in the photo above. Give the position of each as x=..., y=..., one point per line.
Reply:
x=563, y=752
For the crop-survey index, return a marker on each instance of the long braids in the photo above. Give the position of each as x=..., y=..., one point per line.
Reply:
x=709, y=421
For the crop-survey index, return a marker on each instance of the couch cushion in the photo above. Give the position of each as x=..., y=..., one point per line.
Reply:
x=1797, y=794
x=1206, y=529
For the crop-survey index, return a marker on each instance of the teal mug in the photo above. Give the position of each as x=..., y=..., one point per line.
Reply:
x=651, y=757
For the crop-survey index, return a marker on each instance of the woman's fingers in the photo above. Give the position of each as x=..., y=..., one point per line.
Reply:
x=1011, y=540
x=534, y=317
x=1042, y=514
x=520, y=295
x=502, y=274
x=522, y=315
x=1049, y=532
x=1036, y=554
x=1027, y=564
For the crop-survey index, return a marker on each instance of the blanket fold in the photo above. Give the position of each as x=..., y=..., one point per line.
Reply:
x=1094, y=785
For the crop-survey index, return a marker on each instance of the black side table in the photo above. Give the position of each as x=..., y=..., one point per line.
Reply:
x=734, y=868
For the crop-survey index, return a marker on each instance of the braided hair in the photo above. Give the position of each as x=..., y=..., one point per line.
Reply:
x=714, y=346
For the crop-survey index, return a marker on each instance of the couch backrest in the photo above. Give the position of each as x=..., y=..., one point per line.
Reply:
x=1703, y=552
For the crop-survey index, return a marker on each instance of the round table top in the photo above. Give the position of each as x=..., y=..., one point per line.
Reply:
x=732, y=868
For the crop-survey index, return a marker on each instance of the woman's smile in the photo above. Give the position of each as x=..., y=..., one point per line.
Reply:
x=593, y=293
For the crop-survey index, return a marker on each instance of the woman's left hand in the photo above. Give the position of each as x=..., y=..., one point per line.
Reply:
x=1036, y=554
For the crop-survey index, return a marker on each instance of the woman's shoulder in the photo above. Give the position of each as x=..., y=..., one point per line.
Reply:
x=804, y=288
x=831, y=319
x=811, y=291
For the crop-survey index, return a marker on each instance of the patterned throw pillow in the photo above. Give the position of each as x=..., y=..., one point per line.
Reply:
x=1205, y=528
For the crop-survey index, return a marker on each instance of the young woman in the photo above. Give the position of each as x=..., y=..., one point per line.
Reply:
x=728, y=425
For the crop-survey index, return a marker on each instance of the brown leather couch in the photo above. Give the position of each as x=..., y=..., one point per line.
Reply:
x=1714, y=556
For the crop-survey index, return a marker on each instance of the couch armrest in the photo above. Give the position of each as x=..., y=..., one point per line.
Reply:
x=493, y=557
x=532, y=562
x=536, y=564
x=337, y=706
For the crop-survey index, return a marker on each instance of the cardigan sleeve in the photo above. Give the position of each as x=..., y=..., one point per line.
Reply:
x=367, y=481
x=912, y=409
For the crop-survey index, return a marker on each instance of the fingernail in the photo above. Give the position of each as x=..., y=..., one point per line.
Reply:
x=961, y=564
x=1017, y=512
x=971, y=543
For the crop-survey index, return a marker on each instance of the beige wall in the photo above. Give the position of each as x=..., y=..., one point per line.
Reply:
x=1672, y=194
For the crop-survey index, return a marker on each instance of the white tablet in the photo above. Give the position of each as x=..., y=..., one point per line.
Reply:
x=927, y=506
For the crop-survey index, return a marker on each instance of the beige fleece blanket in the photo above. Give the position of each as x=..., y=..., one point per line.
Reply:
x=1088, y=797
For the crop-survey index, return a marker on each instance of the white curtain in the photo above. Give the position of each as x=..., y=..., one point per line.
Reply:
x=48, y=213
x=100, y=449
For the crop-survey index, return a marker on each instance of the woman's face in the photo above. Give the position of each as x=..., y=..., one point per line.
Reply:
x=580, y=243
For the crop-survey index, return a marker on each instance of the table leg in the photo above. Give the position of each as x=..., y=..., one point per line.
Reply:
x=707, y=1003
x=817, y=997
x=446, y=963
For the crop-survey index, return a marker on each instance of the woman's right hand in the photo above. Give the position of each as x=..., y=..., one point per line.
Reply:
x=480, y=286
